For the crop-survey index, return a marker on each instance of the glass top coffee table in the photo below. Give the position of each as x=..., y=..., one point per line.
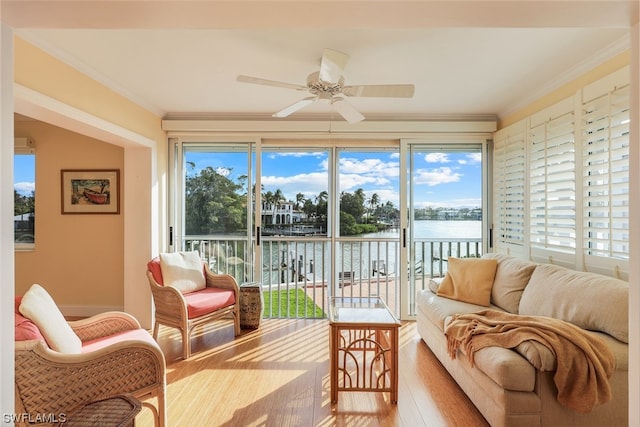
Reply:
x=363, y=346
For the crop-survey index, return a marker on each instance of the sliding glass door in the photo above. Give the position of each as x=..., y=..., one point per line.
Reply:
x=446, y=208
x=211, y=213
x=311, y=219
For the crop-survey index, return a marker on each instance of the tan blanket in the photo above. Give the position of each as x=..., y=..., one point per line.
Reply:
x=584, y=363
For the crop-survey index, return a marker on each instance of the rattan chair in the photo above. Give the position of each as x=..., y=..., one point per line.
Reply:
x=172, y=308
x=52, y=383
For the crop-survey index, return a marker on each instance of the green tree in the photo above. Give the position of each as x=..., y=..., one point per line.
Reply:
x=23, y=204
x=213, y=204
x=374, y=201
x=353, y=204
x=299, y=200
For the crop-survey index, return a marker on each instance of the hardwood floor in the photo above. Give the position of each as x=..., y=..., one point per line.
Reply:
x=278, y=375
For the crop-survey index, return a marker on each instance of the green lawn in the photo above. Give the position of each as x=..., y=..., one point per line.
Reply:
x=291, y=303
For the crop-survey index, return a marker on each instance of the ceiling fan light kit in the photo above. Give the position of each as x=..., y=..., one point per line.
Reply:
x=327, y=84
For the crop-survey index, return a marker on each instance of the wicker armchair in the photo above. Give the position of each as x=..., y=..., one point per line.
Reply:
x=49, y=382
x=186, y=311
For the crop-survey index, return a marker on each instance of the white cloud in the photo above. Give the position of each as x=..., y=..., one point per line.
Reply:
x=474, y=157
x=24, y=188
x=223, y=171
x=318, y=154
x=372, y=167
x=436, y=158
x=311, y=184
x=437, y=176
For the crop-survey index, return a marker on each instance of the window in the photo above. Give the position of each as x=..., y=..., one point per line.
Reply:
x=24, y=193
x=570, y=161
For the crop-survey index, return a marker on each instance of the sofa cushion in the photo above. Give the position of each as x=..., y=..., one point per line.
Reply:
x=512, y=276
x=208, y=300
x=38, y=306
x=183, y=271
x=438, y=309
x=469, y=280
x=434, y=284
x=588, y=300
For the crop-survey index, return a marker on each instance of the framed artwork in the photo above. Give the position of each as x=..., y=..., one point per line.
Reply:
x=90, y=191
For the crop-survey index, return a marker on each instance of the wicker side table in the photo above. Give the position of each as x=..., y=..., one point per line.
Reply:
x=251, y=303
x=116, y=411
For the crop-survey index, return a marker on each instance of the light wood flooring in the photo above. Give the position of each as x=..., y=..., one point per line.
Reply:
x=278, y=376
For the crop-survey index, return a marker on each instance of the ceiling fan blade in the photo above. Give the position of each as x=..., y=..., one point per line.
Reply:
x=332, y=65
x=382, y=91
x=259, y=81
x=346, y=110
x=294, y=107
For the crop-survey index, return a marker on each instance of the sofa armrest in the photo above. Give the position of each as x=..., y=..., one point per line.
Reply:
x=103, y=324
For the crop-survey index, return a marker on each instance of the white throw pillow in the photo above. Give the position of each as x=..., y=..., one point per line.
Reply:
x=183, y=271
x=38, y=306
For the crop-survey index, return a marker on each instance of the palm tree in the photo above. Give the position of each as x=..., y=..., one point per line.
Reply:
x=299, y=200
x=374, y=201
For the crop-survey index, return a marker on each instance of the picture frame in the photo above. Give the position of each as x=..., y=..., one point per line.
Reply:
x=90, y=191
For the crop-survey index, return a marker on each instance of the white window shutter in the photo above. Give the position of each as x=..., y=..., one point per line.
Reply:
x=552, y=179
x=509, y=186
x=605, y=133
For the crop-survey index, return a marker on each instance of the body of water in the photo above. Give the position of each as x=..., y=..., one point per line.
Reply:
x=363, y=254
x=428, y=229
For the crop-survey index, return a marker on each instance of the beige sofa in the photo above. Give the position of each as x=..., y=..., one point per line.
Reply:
x=505, y=387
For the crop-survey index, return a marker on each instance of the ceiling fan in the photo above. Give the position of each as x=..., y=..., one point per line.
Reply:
x=327, y=85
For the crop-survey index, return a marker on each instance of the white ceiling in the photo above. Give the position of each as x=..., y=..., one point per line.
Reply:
x=184, y=66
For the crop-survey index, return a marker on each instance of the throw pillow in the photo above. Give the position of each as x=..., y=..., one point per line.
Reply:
x=183, y=271
x=38, y=306
x=469, y=280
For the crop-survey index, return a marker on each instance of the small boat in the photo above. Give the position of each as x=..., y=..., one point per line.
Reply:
x=95, y=197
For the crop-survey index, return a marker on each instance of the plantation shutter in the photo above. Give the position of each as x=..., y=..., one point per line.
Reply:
x=552, y=178
x=605, y=133
x=509, y=186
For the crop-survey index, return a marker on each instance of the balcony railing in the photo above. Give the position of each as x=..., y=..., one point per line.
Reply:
x=297, y=276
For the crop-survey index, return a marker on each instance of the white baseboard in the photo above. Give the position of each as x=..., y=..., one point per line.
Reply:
x=87, y=310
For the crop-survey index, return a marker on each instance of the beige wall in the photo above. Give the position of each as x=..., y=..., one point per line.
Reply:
x=45, y=74
x=83, y=124
x=77, y=258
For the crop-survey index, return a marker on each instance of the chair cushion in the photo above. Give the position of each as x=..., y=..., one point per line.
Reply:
x=26, y=330
x=38, y=306
x=154, y=267
x=131, y=335
x=183, y=271
x=208, y=300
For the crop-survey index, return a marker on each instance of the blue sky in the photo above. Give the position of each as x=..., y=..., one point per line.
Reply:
x=450, y=179
x=24, y=174
x=441, y=179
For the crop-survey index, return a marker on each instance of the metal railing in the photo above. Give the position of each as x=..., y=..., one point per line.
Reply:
x=298, y=278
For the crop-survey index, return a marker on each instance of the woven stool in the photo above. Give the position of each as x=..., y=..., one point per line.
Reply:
x=250, y=305
x=116, y=411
